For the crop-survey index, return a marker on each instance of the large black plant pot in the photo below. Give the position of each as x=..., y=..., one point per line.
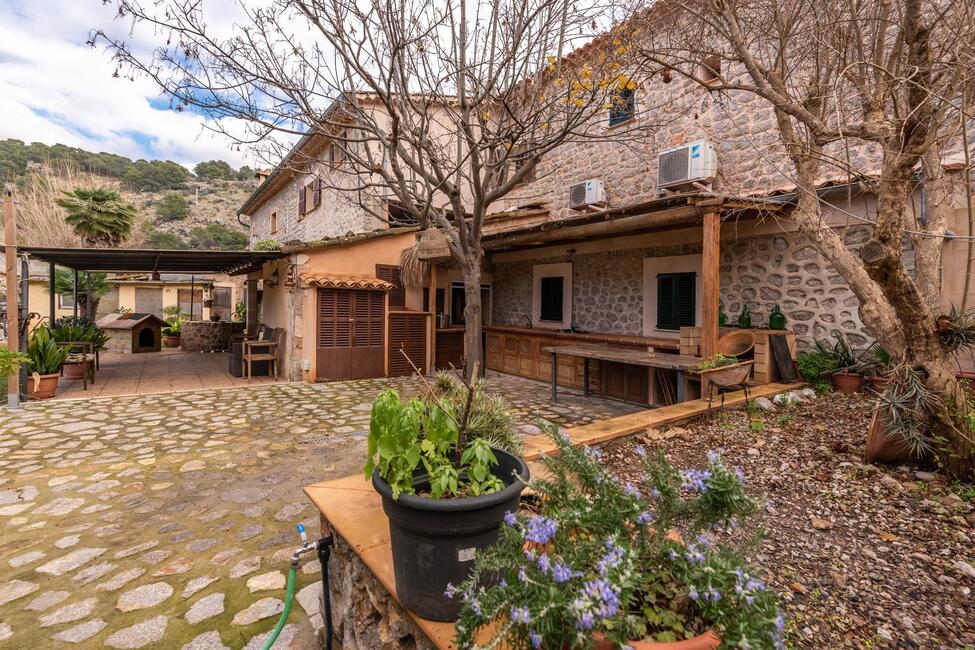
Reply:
x=434, y=540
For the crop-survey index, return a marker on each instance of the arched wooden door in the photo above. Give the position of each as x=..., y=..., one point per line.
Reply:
x=350, y=334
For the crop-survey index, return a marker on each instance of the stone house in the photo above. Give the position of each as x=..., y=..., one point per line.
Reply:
x=636, y=267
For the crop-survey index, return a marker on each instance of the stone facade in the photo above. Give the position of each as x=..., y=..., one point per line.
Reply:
x=785, y=269
x=364, y=615
x=337, y=215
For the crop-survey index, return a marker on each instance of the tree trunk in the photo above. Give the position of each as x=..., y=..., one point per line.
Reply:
x=472, y=316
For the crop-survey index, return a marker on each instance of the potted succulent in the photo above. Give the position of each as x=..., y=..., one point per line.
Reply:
x=445, y=492
x=602, y=564
x=45, y=361
x=173, y=332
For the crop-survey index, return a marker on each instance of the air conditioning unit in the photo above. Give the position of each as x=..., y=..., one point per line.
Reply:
x=587, y=194
x=694, y=162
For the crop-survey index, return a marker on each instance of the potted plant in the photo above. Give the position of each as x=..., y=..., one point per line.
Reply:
x=879, y=363
x=173, y=332
x=46, y=361
x=846, y=367
x=605, y=564
x=78, y=329
x=444, y=491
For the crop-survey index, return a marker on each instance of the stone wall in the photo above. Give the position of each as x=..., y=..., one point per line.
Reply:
x=783, y=269
x=364, y=615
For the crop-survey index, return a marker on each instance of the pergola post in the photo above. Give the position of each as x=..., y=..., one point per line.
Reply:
x=13, y=325
x=251, y=307
x=710, y=282
x=52, y=299
x=431, y=307
x=74, y=293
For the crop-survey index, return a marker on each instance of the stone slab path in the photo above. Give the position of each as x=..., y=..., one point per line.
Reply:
x=167, y=521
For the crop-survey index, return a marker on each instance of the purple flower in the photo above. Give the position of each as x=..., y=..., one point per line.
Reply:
x=695, y=480
x=640, y=451
x=450, y=591
x=672, y=554
x=592, y=452
x=476, y=608
x=536, y=639
x=693, y=595
x=503, y=583
x=522, y=576
x=520, y=615
x=655, y=493
x=644, y=518
x=740, y=474
x=631, y=490
x=693, y=555
x=510, y=519
x=585, y=621
x=540, y=530
x=530, y=554
x=544, y=564
x=612, y=558
x=561, y=572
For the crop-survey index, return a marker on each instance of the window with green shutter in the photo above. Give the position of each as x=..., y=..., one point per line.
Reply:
x=676, y=302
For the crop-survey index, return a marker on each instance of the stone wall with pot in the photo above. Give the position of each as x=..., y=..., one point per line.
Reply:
x=783, y=269
x=204, y=335
x=364, y=615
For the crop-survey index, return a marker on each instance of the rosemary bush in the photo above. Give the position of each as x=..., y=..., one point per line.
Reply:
x=628, y=562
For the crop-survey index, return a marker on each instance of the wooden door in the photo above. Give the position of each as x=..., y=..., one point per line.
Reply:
x=350, y=334
x=407, y=333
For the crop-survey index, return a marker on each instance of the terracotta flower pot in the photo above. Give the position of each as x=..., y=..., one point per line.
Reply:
x=75, y=369
x=172, y=341
x=42, y=389
x=879, y=382
x=848, y=382
x=882, y=447
x=707, y=641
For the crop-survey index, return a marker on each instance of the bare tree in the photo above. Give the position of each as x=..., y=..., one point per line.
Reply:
x=435, y=110
x=874, y=91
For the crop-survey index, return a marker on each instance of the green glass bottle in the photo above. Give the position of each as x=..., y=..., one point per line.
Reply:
x=745, y=318
x=722, y=317
x=776, y=320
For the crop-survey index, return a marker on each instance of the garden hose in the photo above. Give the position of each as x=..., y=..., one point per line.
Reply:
x=322, y=546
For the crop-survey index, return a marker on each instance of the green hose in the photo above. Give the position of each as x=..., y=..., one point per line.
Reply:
x=288, y=599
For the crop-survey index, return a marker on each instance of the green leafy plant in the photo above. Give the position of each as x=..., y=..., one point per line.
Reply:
x=175, y=317
x=816, y=368
x=717, y=360
x=46, y=358
x=840, y=355
x=78, y=328
x=172, y=207
x=488, y=419
x=629, y=561
x=240, y=310
x=11, y=361
x=402, y=436
x=267, y=245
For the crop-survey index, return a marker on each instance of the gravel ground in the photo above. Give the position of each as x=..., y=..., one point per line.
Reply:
x=862, y=556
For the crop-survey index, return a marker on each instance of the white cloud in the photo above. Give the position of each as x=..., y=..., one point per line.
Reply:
x=56, y=89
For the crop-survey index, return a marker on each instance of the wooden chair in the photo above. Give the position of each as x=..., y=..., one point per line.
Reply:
x=82, y=352
x=265, y=349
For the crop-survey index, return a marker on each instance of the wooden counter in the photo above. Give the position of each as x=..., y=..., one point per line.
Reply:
x=521, y=351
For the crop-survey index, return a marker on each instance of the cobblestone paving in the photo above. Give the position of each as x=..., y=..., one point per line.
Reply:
x=168, y=520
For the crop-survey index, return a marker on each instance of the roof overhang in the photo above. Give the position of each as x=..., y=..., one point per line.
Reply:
x=345, y=281
x=121, y=260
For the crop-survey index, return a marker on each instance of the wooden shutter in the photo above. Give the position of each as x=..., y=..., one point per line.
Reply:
x=390, y=273
x=676, y=303
x=316, y=193
x=334, y=326
x=407, y=333
x=301, y=201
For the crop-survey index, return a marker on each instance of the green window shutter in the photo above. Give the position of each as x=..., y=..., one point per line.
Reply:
x=676, y=300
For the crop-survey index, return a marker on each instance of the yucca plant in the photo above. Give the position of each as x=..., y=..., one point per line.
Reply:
x=488, y=419
x=908, y=407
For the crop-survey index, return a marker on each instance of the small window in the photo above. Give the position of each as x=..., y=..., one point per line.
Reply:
x=274, y=222
x=709, y=71
x=552, y=298
x=65, y=301
x=623, y=106
x=676, y=302
x=309, y=198
x=391, y=274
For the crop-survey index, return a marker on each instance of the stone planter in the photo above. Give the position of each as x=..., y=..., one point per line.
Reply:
x=44, y=388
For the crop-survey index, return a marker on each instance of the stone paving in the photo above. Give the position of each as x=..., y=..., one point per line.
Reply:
x=168, y=520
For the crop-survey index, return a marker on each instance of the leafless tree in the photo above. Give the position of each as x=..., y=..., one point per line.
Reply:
x=437, y=109
x=874, y=91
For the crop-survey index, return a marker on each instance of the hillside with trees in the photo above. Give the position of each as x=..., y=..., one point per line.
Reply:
x=175, y=208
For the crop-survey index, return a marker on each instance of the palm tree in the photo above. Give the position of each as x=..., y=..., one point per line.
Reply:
x=99, y=216
x=92, y=287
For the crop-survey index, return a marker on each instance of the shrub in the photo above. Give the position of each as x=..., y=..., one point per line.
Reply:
x=628, y=561
x=11, y=361
x=267, y=245
x=172, y=207
x=215, y=236
x=816, y=368
x=489, y=418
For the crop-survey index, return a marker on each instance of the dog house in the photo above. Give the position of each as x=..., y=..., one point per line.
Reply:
x=132, y=333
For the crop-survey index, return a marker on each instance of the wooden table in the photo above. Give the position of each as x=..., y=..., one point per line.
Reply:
x=680, y=363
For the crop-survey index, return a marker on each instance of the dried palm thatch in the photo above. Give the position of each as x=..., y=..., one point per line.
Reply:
x=412, y=271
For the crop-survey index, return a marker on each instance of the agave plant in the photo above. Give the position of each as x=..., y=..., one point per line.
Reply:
x=908, y=406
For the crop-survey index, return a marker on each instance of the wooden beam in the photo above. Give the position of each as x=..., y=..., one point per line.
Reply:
x=710, y=282
x=13, y=325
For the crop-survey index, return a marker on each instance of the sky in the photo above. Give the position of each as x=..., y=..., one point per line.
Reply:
x=56, y=89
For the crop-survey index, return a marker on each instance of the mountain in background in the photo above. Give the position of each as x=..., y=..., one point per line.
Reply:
x=177, y=208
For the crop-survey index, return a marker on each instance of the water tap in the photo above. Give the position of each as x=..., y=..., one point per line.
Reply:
x=305, y=547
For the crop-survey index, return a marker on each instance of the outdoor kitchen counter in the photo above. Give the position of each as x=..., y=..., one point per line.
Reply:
x=585, y=337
